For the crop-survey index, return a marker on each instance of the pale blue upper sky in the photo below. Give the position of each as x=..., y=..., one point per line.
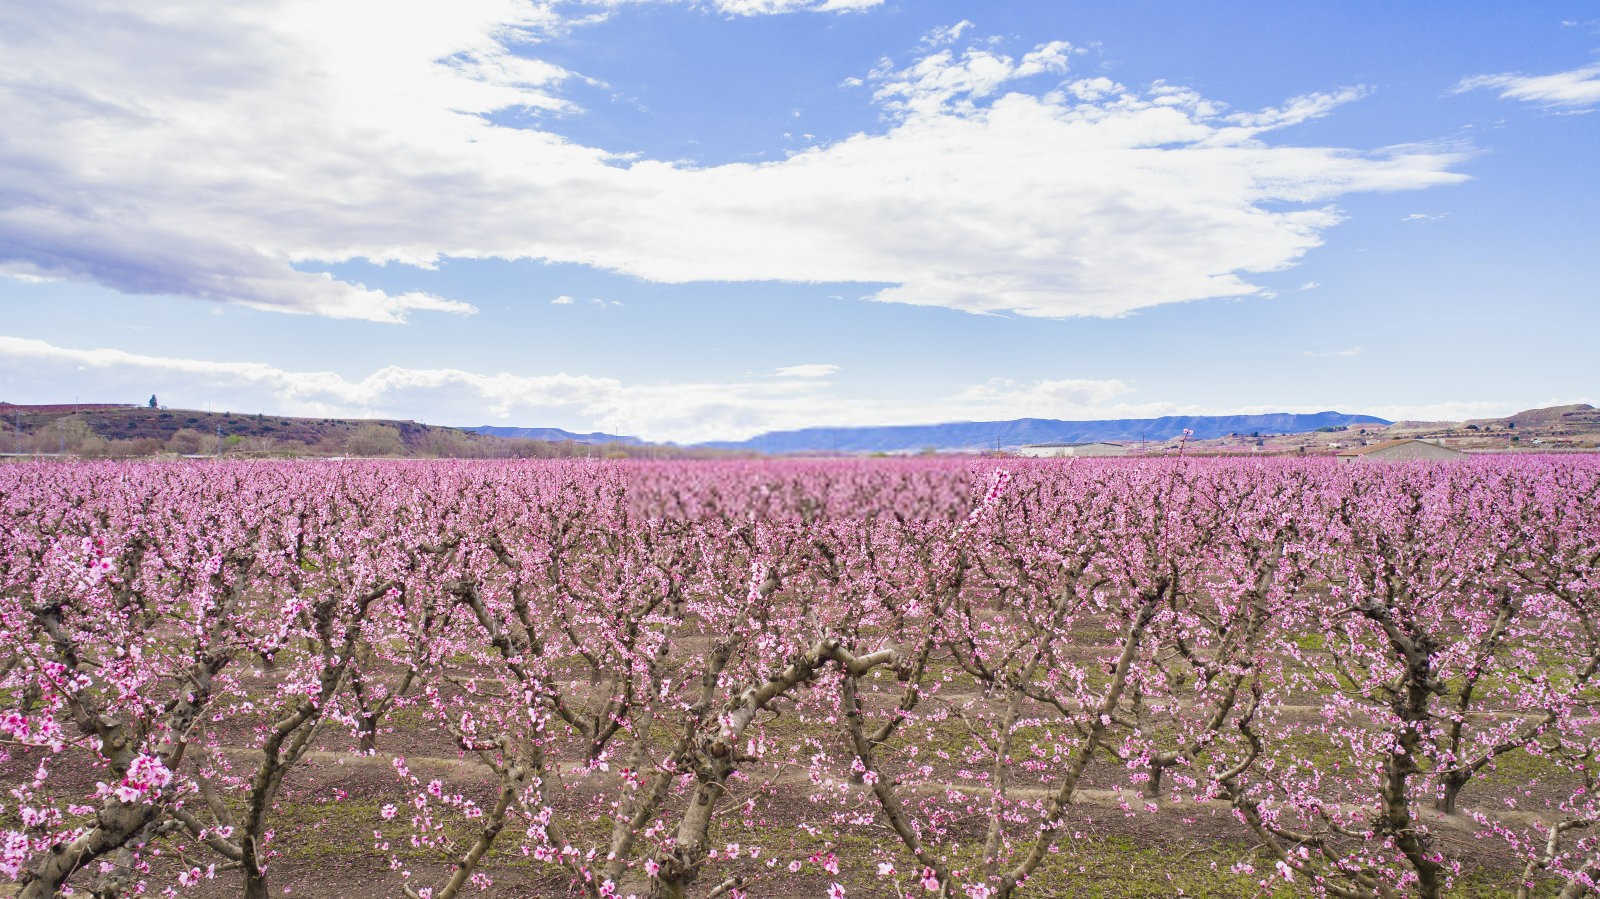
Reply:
x=697, y=220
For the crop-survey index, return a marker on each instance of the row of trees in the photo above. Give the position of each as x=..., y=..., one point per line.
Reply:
x=691, y=655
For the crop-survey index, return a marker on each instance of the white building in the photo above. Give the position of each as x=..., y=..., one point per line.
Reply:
x=1060, y=450
x=1399, y=450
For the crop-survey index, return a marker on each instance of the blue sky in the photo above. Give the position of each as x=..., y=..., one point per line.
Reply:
x=697, y=220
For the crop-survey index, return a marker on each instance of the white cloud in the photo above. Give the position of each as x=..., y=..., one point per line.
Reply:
x=1346, y=353
x=1310, y=285
x=685, y=411
x=1425, y=217
x=945, y=82
x=1449, y=410
x=1299, y=109
x=945, y=34
x=1574, y=89
x=1093, y=89
x=562, y=300
x=1004, y=398
x=809, y=370
x=771, y=7
x=307, y=133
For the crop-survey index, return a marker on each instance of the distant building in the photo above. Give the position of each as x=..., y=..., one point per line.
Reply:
x=1399, y=450
x=1059, y=450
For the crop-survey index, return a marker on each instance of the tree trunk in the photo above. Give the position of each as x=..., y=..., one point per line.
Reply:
x=1397, y=770
x=1447, y=802
x=369, y=733
x=683, y=865
x=1152, y=787
x=255, y=880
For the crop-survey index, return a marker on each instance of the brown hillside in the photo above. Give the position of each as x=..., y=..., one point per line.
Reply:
x=114, y=422
x=98, y=429
x=1576, y=415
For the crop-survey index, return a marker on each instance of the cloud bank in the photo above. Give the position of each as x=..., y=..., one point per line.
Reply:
x=226, y=151
x=686, y=412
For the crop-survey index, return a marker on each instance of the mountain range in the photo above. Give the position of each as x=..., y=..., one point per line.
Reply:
x=555, y=435
x=109, y=429
x=988, y=435
x=980, y=434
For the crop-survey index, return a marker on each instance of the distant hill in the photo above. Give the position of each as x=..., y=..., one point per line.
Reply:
x=1573, y=415
x=66, y=408
x=984, y=435
x=112, y=421
x=110, y=430
x=554, y=435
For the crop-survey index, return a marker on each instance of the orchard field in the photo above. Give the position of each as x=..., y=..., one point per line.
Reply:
x=824, y=679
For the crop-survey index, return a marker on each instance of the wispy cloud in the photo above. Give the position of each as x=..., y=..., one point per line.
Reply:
x=771, y=7
x=1425, y=217
x=1010, y=398
x=1299, y=109
x=562, y=300
x=1310, y=285
x=945, y=34
x=674, y=410
x=681, y=410
x=1345, y=353
x=1574, y=90
x=677, y=410
x=808, y=370
x=1450, y=410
